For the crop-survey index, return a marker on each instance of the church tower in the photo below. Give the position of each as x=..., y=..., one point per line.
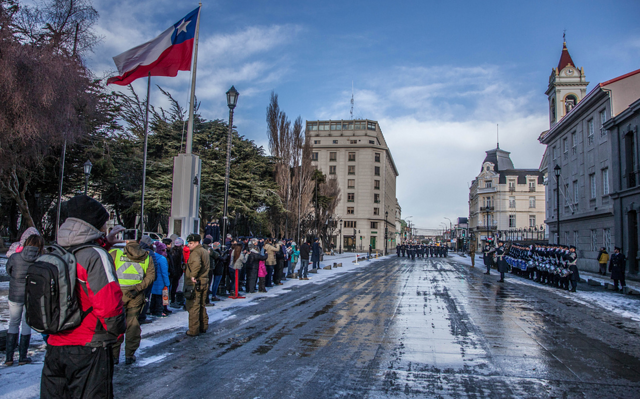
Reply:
x=567, y=86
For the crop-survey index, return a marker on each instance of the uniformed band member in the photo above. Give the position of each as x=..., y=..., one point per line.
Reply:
x=487, y=254
x=499, y=255
x=136, y=271
x=197, y=276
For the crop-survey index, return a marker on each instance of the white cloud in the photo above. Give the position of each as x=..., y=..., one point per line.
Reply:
x=438, y=123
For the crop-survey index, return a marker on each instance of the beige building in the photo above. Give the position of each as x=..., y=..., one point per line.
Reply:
x=506, y=200
x=356, y=154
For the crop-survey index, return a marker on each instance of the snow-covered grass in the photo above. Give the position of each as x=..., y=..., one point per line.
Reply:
x=17, y=382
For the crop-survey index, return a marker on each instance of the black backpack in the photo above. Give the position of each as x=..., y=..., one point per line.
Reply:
x=50, y=298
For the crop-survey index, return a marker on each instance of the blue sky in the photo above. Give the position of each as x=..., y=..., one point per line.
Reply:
x=438, y=76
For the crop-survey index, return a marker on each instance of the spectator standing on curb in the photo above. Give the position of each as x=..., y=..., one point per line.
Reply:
x=17, y=267
x=161, y=282
x=617, y=265
x=218, y=269
x=175, y=271
x=603, y=259
x=196, y=276
x=304, y=261
x=271, y=261
x=79, y=361
x=472, y=254
x=315, y=254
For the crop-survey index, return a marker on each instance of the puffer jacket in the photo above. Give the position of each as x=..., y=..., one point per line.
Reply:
x=271, y=253
x=162, y=274
x=198, y=267
x=97, y=288
x=17, y=267
x=135, y=253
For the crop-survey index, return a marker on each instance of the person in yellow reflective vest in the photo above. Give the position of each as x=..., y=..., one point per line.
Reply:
x=136, y=271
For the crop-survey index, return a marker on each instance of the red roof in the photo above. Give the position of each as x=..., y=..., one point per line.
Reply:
x=626, y=75
x=565, y=58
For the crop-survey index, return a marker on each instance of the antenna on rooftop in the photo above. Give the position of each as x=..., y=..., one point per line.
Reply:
x=497, y=136
x=352, y=100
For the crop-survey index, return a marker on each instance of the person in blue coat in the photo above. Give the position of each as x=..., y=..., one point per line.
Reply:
x=161, y=281
x=315, y=254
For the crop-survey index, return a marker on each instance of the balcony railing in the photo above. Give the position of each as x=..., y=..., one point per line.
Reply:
x=486, y=208
x=487, y=228
x=483, y=190
x=532, y=189
x=512, y=188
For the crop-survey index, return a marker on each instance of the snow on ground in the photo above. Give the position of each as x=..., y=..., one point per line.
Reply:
x=625, y=305
x=18, y=382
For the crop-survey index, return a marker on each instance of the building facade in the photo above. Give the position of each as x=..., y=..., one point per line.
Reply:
x=625, y=176
x=503, y=198
x=356, y=154
x=579, y=207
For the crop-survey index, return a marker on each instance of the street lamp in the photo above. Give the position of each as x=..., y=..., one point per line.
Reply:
x=87, y=171
x=557, y=171
x=386, y=230
x=232, y=100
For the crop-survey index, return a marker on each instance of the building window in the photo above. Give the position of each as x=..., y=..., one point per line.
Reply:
x=351, y=197
x=605, y=181
x=351, y=183
x=352, y=170
x=376, y=184
x=512, y=221
x=312, y=126
x=371, y=125
x=377, y=157
x=347, y=126
x=316, y=141
x=566, y=238
x=532, y=202
x=590, y=131
x=351, y=210
x=332, y=169
x=575, y=192
x=335, y=125
x=376, y=211
x=352, y=157
x=606, y=239
x=487, y=184
x=574, y=143
x=333, y=156
x=371, y=142
x=565, y=147
x=575, y=238
x=603, y=119
x=323, y=126
x=350, y=223
x=376, y=171
x=555, y=152
x=335, y=141
x=532, y=185
x=314, y=156
x=360, y=125
x=594, y=241
x=532, y=220
x=374, y=225
x=353, y=141
x=592, y=184
x=512, y=202
x=376, y=198
x=512, y=185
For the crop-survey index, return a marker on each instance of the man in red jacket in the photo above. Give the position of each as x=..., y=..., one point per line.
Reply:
x=79, y=361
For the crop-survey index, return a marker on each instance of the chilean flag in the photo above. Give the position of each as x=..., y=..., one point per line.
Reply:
x=163, y=56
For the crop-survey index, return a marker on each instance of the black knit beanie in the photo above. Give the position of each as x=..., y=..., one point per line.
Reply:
x=88, y=209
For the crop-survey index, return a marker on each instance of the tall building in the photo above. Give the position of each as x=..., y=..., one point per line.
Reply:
x=356, y=154
x=579, y=207
x=503, y=198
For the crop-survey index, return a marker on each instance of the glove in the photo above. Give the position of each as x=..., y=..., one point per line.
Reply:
x=131, y=294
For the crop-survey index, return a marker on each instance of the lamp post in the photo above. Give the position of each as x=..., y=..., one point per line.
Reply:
x=87, y=171
x=340, y=250
x=232, y=100
x=386, y=231
x=557, y=171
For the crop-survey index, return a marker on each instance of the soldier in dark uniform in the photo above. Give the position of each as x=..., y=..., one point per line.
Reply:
x=398, y=250
x=574, y=277
x=404, y=249
x=503, y=267
x=446, y=251
x=617, y=265
x=487, y=255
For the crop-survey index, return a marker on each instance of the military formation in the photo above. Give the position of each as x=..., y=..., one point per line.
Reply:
x=414, y=249
x=551, y=264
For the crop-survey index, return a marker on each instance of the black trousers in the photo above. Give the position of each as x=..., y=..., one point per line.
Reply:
x=252, y=277
x=277, y=273
x=77, y=372
x=174, y=287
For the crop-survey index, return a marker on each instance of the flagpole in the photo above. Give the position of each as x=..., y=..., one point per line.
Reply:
x=193, y=87
x=144, y=159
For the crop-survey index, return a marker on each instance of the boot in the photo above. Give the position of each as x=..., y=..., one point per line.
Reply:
x=261, y=287
x=24, y=349
x=12, y=342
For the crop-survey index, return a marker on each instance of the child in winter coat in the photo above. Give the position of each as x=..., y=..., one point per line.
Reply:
x=262, y=274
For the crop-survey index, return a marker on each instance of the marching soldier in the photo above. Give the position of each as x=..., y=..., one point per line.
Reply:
x=573, y=268
x=472, y=254
x=487, y=255
x=503, y=267
x=136, y=271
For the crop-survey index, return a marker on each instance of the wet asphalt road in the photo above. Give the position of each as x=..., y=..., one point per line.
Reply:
x=401, y=328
